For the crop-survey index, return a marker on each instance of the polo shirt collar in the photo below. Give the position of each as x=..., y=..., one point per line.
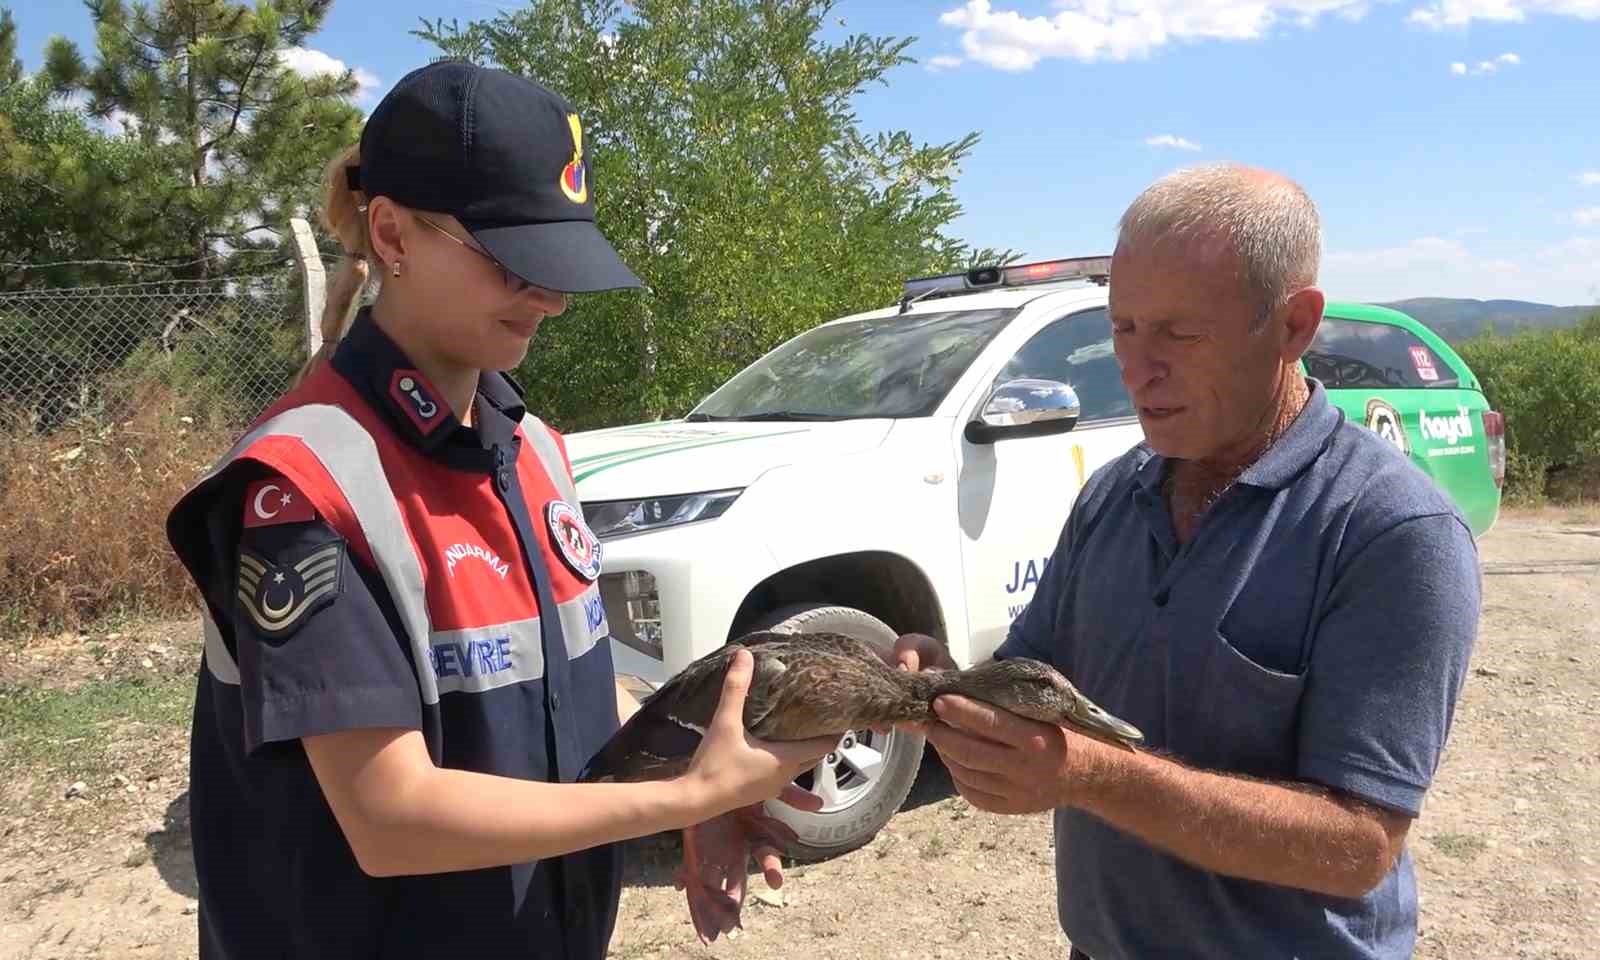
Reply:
x=1299, y=446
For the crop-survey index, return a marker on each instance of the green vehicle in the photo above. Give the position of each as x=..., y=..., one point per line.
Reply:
x=1388, y=371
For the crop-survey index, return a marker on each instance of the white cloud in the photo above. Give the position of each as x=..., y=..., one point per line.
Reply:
x=1561, y=273
x=1459, y=13
x=1487, y=66
x=1590, y=178
x=1175, y=143
x=1582, y=248
x=1090, y=30
x=1587, y=217
x=944, y=62
x=314, y=63
x=119, y=122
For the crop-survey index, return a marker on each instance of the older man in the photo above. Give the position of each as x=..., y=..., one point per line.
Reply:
x=1282, y=602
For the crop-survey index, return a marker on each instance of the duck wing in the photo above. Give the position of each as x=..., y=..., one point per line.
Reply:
x=798, y=690
x=661, y=737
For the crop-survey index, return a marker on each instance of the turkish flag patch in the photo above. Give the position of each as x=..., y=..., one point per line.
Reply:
x=267, y=502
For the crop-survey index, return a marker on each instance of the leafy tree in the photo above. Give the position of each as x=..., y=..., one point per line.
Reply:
x=1547, y=384
x=732, y=175
x=238, y=139
x=10, y=64
x=61, y=191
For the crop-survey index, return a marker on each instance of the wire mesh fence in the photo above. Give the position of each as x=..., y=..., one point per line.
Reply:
x=225, y=346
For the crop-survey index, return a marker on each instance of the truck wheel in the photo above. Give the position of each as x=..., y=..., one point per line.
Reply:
x=864, y=781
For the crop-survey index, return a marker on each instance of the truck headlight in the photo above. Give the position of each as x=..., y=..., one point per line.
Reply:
x=633, y=609
x=610, y=519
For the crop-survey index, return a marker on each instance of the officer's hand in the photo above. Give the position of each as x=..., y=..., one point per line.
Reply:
x=733, y=769
x=918, y=651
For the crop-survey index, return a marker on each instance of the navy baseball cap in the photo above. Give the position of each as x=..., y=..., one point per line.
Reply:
x=505, y=156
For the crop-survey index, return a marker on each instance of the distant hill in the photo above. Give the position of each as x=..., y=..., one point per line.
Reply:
x=1457, y=320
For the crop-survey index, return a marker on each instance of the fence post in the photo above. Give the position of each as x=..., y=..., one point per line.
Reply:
x=314, y=281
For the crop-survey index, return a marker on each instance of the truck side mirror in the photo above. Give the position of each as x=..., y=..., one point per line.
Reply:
x=1025, y=408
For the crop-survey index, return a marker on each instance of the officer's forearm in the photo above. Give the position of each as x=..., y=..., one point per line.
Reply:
x=1289, y=834
x=402, y=815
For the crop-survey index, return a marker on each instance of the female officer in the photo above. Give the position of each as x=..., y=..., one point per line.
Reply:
x=406, y=659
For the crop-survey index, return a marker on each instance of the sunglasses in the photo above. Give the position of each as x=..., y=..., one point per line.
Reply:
x=513, y=282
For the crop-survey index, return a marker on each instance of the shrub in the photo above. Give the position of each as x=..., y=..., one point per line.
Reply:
x=83, y=511
x=1547, y=384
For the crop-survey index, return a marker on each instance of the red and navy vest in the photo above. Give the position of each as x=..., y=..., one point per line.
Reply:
x=453, y=556
x=488, y=581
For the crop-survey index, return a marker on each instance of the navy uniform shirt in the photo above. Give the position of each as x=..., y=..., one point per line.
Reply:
x=277, y=877
x=1316, y=628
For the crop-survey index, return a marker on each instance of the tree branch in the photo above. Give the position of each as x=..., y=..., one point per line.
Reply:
x=238, y=105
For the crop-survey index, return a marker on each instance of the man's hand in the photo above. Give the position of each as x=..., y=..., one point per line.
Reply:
x=915, y=652
x=918, y=651
x=1001, y=762
x=717, y=853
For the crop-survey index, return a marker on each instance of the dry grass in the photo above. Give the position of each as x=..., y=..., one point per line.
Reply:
x=1570, y=513
x=83, y=512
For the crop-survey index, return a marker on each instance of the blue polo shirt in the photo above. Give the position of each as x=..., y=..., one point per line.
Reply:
x=1316, y=628
x=277, y=877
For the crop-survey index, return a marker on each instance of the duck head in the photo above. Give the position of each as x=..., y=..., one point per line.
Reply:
x=1033, y=689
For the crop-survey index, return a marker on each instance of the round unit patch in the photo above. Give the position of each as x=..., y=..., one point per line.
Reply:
x=578, y=546
x=1384, y=420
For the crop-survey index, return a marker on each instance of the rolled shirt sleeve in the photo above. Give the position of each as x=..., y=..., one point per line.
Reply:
x=1389, y=659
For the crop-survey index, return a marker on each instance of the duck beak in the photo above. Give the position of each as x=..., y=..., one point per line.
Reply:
x=1092, y=721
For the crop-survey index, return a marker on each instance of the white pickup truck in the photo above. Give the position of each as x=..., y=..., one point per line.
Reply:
x=904, y=469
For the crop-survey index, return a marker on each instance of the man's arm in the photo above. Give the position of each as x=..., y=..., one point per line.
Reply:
x=1380, y=695
x=1292, y=834
x=1285, y=833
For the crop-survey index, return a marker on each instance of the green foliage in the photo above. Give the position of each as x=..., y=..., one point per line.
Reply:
x=10, y=64
x=233, y=142
x=731, y=174
x=68, y=192
x=91, y=352
x=1548, y=386
x=231, y=358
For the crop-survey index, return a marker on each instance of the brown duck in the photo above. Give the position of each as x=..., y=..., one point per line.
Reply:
x=824, y=684
x=806, y=685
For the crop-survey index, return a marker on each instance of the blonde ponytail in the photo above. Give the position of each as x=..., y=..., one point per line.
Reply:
x=343, y=216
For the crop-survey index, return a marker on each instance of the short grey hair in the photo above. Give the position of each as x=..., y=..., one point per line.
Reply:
x=1267, y=220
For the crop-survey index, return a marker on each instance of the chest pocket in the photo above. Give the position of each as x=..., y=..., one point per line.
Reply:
x=1234, y=667
x=1229, y=711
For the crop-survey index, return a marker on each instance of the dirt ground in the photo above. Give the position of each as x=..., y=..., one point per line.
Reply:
x=1508, y=848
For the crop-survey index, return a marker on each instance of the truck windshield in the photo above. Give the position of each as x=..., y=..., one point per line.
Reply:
x=893, y=367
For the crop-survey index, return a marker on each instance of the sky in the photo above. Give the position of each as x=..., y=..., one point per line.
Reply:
x=1452, y=146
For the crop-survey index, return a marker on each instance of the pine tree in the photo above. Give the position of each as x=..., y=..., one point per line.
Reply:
x=10, y=65
x=241, y=138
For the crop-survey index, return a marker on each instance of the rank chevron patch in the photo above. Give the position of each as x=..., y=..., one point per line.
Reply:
x=277, y=595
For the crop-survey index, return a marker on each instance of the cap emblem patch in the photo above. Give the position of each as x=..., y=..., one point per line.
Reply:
x=574, y=177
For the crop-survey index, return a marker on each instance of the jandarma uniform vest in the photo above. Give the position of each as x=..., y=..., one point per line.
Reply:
x=450, y=553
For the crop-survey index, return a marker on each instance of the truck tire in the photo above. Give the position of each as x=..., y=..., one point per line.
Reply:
x=864, y=782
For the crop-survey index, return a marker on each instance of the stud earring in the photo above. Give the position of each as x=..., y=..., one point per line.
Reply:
x=395, y=268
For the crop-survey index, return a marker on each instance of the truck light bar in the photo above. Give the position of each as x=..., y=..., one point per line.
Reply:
x=1097, y=269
